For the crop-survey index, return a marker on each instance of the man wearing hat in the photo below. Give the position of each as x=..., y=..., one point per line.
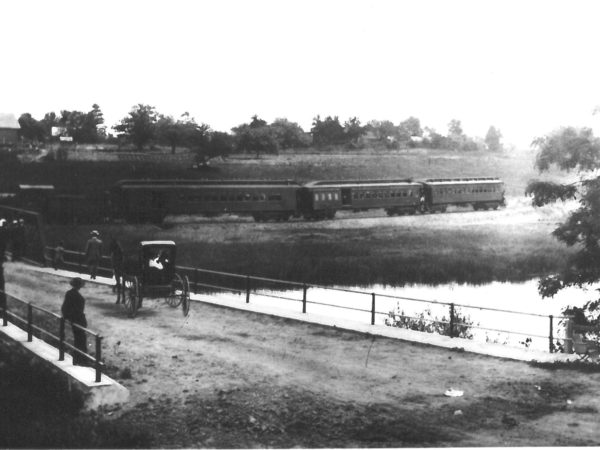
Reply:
x=73, y=309
x=93, y=253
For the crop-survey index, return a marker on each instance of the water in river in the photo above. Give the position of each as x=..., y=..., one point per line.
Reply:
x=356, y=304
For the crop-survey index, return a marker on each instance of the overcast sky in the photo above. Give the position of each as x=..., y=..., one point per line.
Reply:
x=525, y=67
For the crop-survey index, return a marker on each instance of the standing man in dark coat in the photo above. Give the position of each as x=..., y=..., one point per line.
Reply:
x=73, y=309
x=93, y=253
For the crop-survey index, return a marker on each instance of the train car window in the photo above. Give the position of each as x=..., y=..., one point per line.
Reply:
x=240, y=197
x=263, y=197
x=275, y=197
x=223, y=198
x=247, y=196
x=336, y=196
x=329, y=196
x=255, y=198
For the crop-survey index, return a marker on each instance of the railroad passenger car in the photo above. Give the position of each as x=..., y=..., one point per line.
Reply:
x=321, y=199
x=152, y=200
x=481, y=193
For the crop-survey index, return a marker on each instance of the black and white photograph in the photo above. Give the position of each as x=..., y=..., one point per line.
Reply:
x=299, y=224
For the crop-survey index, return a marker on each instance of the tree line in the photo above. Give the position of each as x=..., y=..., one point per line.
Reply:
x=144, y=127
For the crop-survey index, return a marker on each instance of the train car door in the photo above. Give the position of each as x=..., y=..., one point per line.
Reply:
x=346, y=197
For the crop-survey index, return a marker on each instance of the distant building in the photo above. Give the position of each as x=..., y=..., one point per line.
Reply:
x=9, y=129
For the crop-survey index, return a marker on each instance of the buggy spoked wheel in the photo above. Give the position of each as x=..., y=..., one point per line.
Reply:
x=185, y=298
x=131, y=295
x=175, y=296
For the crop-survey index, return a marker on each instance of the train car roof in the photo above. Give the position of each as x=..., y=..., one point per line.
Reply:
x=361, y=183
x=481, y=180
x=144, y=183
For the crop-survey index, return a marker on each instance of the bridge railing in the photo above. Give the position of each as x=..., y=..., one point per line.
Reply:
x=372, y=306
x=49, y=327
x=451, y=319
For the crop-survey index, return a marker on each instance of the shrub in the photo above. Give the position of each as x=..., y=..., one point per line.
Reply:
x=426, y=322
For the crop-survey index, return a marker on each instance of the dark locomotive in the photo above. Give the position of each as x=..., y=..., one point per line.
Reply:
x=279, y=200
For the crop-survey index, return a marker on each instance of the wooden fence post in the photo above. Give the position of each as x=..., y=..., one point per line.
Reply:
x=304, y=289
x=247, y=289
x=373, y=308
x=451, y=320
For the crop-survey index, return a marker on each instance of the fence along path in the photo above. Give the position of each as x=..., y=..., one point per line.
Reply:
x=250, y=288
x=49, y=327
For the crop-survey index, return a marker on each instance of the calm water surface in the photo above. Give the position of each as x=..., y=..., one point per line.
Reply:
x=469, y=299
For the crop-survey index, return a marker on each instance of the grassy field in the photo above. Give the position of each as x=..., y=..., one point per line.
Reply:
x=392, y=251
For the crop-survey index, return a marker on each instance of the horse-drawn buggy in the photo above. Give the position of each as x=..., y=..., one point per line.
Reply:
x=153, y=275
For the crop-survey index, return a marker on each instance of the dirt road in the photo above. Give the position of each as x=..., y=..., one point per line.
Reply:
x=224, y=378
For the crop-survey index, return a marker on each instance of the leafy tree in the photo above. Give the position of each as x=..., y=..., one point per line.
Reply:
x=168, y=132
x=493, y=140
x=328, y=131
x=257, y=123
x=140, y=125
x=573, y=149
x=384, y=130
x=50, y=120
x=455, y=128
x=31, y=128
x=435, y=140
x=97, y=118
x=218, y=144
x=411, y=127
x=289, y=134
x=353, y=130
x=182, y=132
x=257, y=137
x=82, y=127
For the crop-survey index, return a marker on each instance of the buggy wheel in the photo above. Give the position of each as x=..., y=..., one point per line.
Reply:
x=185, y=298
x=131, y=295
x=174, y=296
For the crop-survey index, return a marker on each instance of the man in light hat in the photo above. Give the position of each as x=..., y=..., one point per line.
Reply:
x=73, y=309
x=93, y=253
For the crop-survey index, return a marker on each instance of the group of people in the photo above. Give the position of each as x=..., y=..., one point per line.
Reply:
x=13, y=235
x=93, y=256
x=73, y=308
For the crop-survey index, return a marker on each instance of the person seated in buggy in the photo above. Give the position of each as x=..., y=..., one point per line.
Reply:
x=158, y=267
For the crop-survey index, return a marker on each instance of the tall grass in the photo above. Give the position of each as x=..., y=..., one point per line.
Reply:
x=360, y=257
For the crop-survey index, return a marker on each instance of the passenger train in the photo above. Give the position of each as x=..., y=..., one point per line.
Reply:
x=275, y=200
x=152, y=200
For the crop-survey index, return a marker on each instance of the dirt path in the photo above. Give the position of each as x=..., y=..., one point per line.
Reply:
x=225, y=378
